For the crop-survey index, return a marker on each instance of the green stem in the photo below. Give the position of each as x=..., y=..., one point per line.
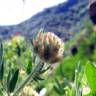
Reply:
x=5, y=88
x=28, y=79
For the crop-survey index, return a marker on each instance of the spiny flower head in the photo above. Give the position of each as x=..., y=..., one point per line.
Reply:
x=49, y=47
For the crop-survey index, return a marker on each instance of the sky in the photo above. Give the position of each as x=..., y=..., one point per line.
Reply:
x=13, y=12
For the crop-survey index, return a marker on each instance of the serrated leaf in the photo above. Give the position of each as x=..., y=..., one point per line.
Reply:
x=1, y=71
x=91, y=76
x=13, y=81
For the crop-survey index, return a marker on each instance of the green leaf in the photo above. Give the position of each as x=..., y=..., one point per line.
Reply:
x=58, y=87
x=1, y=61
x=37, y=78
x=91, y=76
x=44, y=70
x=29, y=66
x=8, y=77
x=13, y=81
x=1, y=71
x=1, y=52
x=18, y=50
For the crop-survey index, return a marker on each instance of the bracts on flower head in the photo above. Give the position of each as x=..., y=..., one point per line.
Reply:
x=48, y=46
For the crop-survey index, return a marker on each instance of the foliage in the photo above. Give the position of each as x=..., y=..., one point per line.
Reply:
x=73, y=76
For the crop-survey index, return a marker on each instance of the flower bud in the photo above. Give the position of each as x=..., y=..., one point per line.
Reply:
x=49, y=47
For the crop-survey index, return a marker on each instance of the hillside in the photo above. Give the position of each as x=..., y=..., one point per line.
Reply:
x=66, y=20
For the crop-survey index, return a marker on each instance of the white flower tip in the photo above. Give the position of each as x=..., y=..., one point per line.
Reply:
x=43, y=92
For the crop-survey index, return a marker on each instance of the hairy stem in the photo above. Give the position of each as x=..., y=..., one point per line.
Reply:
x=29, y=78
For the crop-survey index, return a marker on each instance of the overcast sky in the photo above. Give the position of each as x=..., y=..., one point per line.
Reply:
x=16, y=11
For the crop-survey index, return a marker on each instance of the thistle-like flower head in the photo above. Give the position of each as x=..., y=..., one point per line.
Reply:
x=49, y=47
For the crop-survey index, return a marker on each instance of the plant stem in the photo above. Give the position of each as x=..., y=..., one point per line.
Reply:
x=5, y=88
x=29, y=78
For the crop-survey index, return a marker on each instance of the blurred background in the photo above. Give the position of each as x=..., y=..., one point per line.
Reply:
x=64, y=17
x=20, y=22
